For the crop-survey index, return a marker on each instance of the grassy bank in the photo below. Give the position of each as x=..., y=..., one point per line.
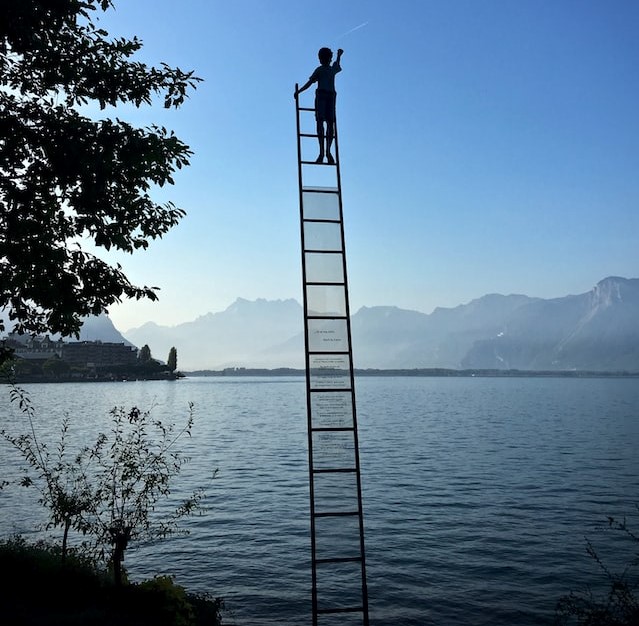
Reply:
x=40, y=589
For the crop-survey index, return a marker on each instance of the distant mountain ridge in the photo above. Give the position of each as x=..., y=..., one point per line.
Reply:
x=597, y=330
x=247, y=333
x=100, y=328
x=94, y=328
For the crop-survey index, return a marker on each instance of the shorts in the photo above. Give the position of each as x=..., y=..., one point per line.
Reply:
x=325, y=106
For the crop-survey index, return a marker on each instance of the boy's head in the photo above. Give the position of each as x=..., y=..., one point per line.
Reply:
x=325, y=55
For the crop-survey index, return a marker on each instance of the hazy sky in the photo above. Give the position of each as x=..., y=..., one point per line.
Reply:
x=486, y=146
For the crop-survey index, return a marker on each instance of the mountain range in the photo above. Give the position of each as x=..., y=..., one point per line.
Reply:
x=94, y=328
x=597, y=330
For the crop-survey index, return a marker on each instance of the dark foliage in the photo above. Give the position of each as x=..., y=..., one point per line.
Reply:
x=40, y=589
x=107, y=492
x=64, y=176
x=619, y=604
x=144, y=355
x=171, y=361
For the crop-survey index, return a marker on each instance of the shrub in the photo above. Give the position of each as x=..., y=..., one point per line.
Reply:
x=41, y=589
x=619, y=606
x=108, y=492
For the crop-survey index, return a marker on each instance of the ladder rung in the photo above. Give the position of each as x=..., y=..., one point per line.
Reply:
x=335, y=470
x=321, y=251
x=336, y=514
x=343, y=559
x=331, y=389
x=308, y=135
x=322, y=220
x=326, y=282
x=332, y=429
x=326, y=317
x=316, y=163
x=345, y=609
x=306, y=109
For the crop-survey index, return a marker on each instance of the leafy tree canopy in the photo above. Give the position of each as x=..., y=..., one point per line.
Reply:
x=144, y=356
x=171, y=361
x=65, y=177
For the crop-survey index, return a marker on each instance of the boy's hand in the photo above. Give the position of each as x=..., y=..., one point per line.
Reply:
x=340, y=52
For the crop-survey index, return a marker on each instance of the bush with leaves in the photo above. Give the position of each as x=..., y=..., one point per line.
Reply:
x=134, y=469
x=109, y=491
x=43, y=589
x=619, y=606
x=60, y=481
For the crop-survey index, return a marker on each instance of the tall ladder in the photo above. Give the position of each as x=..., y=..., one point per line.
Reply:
x=339, y=591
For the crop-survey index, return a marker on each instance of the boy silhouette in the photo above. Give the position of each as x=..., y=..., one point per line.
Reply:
x=325, y=94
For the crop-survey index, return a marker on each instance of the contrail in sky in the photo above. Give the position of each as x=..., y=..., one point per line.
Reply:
x=352, y=30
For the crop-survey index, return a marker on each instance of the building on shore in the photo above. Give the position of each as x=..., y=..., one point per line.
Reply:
x=98, y=354
x=83, y=354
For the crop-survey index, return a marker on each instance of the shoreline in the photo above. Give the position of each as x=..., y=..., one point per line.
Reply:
x=369, y=372
x=20, y=380
x=420, y=372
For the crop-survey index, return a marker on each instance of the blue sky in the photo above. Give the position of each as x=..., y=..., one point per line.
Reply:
x=486, y=147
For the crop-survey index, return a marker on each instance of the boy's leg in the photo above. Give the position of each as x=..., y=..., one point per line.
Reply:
x=330, y=127
x=320, y=139
x=330, y=133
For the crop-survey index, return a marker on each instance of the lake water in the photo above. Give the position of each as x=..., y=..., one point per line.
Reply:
x=478, y=492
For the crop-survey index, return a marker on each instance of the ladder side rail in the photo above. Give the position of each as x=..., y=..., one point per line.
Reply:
x=307, y=363
x=352, y=381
